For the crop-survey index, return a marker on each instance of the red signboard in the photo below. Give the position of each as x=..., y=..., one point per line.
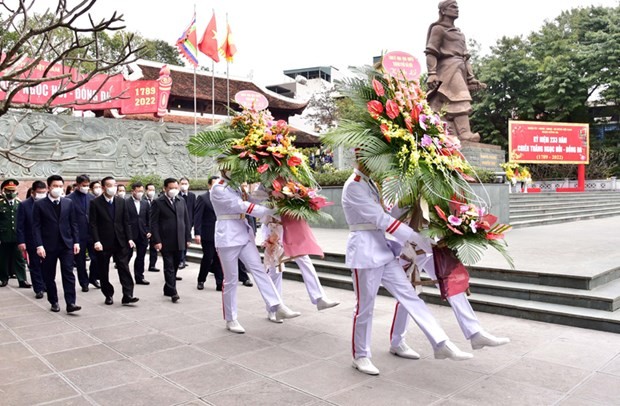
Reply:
x=396, y=62
x=546, y=142
x=251, y=100
x=92, y=94
x=140, y=97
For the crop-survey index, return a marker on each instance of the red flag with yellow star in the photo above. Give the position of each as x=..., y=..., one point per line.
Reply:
x=208, y=43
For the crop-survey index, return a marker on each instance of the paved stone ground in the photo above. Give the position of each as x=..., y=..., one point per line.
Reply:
x=159, y=353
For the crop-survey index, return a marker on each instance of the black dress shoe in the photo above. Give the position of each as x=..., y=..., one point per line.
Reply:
x=178, y=278
x=24, y=284
x=109, y=301
x=153, y=270
x=73, y=308
x=85, y=288
x=175, y=298
x=129, y=300
x=55, y=308
x=13, y=276
x=248, y=283
x=143, y=282
x=38, y=295
x=201, y=286
x=218, y=288
x=3, y=283
x=96, y=284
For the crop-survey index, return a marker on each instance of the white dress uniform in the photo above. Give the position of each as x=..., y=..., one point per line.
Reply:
x=461, y=307
x=308, y=273
x=234, y=240
x=370, y=256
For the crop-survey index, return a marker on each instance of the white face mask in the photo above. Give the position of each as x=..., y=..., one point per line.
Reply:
x=150, y=194
x=97, y=191
x=111, y=191
x=172, y=193
x=39, y=196
x=184, y=188
x=138, y=196
x=84, y=189
x=56, y=192
x=121, y=195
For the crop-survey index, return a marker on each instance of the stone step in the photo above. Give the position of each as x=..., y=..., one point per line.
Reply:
x=558, y=220
x=508, y=306
x=554, y=207
x=570, y=212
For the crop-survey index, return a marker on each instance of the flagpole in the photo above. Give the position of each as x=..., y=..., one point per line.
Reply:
x=195, y=109
x=212, y=92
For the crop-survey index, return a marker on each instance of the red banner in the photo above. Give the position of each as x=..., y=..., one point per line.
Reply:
x=141, y=97
x=100, y=87
x=547, y=142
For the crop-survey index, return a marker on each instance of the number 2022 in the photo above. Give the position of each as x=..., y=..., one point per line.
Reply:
x=145, y=101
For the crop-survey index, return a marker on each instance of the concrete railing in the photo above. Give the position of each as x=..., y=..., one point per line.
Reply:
x=591, y=184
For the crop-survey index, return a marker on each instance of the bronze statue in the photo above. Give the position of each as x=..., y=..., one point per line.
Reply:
x=450, y=75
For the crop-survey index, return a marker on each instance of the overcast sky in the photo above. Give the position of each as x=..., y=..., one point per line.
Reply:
x=274, y=35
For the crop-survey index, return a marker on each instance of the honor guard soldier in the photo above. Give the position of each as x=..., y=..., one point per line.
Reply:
x=12, y=261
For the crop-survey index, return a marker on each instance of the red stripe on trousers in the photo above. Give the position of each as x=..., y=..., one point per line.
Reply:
x=357, y=310
x=393, y=321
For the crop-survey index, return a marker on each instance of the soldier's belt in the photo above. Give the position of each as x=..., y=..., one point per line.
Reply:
x=363, y=227
x=231, y=217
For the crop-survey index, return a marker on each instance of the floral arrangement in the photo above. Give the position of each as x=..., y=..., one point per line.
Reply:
x=293, y=199
x=516, y=173
x=459, y=221
x=255, y=147
x=406, y=147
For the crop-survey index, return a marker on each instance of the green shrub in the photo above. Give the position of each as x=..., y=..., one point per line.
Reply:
x=335, y=178
x=156, y=180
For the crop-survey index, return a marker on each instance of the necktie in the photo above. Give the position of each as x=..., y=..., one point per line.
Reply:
x=56, y=202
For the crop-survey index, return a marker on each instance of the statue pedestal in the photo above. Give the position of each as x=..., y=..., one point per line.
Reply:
x=484, y=156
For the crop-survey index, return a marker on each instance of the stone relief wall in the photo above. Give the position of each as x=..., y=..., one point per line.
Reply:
x=99, y=147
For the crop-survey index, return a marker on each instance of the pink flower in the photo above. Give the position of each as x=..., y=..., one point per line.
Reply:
x=426, y=140
x=455, y=221
x=391, y=109
x=375, y=108
x=263, y=168
x=378, y=87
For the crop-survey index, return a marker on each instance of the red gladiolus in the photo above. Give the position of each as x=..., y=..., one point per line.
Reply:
x=409, y=125
x=391, y=109
x=384, y=130
x=375, y=108
x=378, y=88
x=415, y=114
x=293, y=161
x=263, y=168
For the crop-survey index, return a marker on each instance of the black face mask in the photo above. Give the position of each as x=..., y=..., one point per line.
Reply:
x=11, y=195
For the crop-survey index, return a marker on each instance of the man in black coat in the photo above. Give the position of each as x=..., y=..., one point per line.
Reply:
x=25, y=236
x=138, y=209
x=111, y=233
x=204, y=231
x=170, y=228
x=81, y=199
x=190, y=203
x=57, y=238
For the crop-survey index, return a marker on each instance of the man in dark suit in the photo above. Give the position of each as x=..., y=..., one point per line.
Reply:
x=56, y=237
x=109, y=227
x=190, y=203
x=81, y=201
x=25, y=236
x=149, y=196
x=204, y=231
x=170, y=228
x=138, y=210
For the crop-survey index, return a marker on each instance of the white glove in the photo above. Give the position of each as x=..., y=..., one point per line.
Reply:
x=422, y=242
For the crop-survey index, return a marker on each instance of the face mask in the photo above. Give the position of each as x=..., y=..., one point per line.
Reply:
x=56, y=192
x=184, y=188
x=84, y=189
x=138, y=196
x=97, y=191
x=121, y=195
x=10, y=195
x=150, y=194
x=111, y=191
x=39, y=196
x=172, y=193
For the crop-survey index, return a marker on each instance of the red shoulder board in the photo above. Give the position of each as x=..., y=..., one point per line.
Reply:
x=357, y=178
x=221, y=182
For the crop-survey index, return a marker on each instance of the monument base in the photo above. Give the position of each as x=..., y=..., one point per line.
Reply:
x=484, y=156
